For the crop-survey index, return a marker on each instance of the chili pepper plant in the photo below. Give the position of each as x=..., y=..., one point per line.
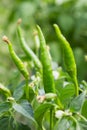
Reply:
x=49, y=96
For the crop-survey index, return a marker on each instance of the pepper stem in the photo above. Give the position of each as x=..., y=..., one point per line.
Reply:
x=27, y=89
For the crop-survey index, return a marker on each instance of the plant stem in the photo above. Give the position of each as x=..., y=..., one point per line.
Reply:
x=27, y=89
x=82, y=117
x=73, y=119
x=76, y=122
x=51, y=119
x=59, y=103
x=76, y=86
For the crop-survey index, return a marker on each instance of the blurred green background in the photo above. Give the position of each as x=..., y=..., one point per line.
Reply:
x=70, y=15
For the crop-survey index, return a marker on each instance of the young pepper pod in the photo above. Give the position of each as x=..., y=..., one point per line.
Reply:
x=48, y=79
x=26, y=48
x=68, y=56
x=5, y=90
x=16, y=59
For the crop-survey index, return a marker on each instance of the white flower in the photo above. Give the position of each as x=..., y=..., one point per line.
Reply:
x=55, y=74
x=54, y=65
x=67, y=113
x=33, y=77
x=59, y=114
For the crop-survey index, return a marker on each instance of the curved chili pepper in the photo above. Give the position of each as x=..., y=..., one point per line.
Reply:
x=48, y=79
x=68, y=56
x=27, y=50
x=16, y=59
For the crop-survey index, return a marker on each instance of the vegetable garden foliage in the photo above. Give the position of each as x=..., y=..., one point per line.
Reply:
x=66, y=12
x=48, y=98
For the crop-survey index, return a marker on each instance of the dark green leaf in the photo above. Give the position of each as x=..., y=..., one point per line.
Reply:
x=5, y=124
x=62, y=124
x=67, y=92
x=84, y=109
x=27, y=106
x=83, y=125
x=77, y=102
x=66, y=123
x=8, y=123
x=4, y=107
x=23, y=116
x=40, y=111
x=19, y=91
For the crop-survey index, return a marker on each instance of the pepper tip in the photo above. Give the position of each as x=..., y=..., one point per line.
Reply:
x=5, y=39
x=19, y=21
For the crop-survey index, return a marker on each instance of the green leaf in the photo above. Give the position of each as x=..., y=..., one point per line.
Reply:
x=5, y=124
x=40, y=111
x=78, y=126
x=62, y=124
x=66, y=123
x=4, y=107
x=8, y=123
x=83, y=125
x=67, y=91
x=23, y=115
x=63, y=74
x=27, y=106
x=77, y=102
x=19, y=91
x=84, y=109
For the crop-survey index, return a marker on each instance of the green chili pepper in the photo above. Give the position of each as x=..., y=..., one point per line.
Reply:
x=16, y=59
x=48, y=79
x=27, y=50
x=5, y=90
x=69, y=60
